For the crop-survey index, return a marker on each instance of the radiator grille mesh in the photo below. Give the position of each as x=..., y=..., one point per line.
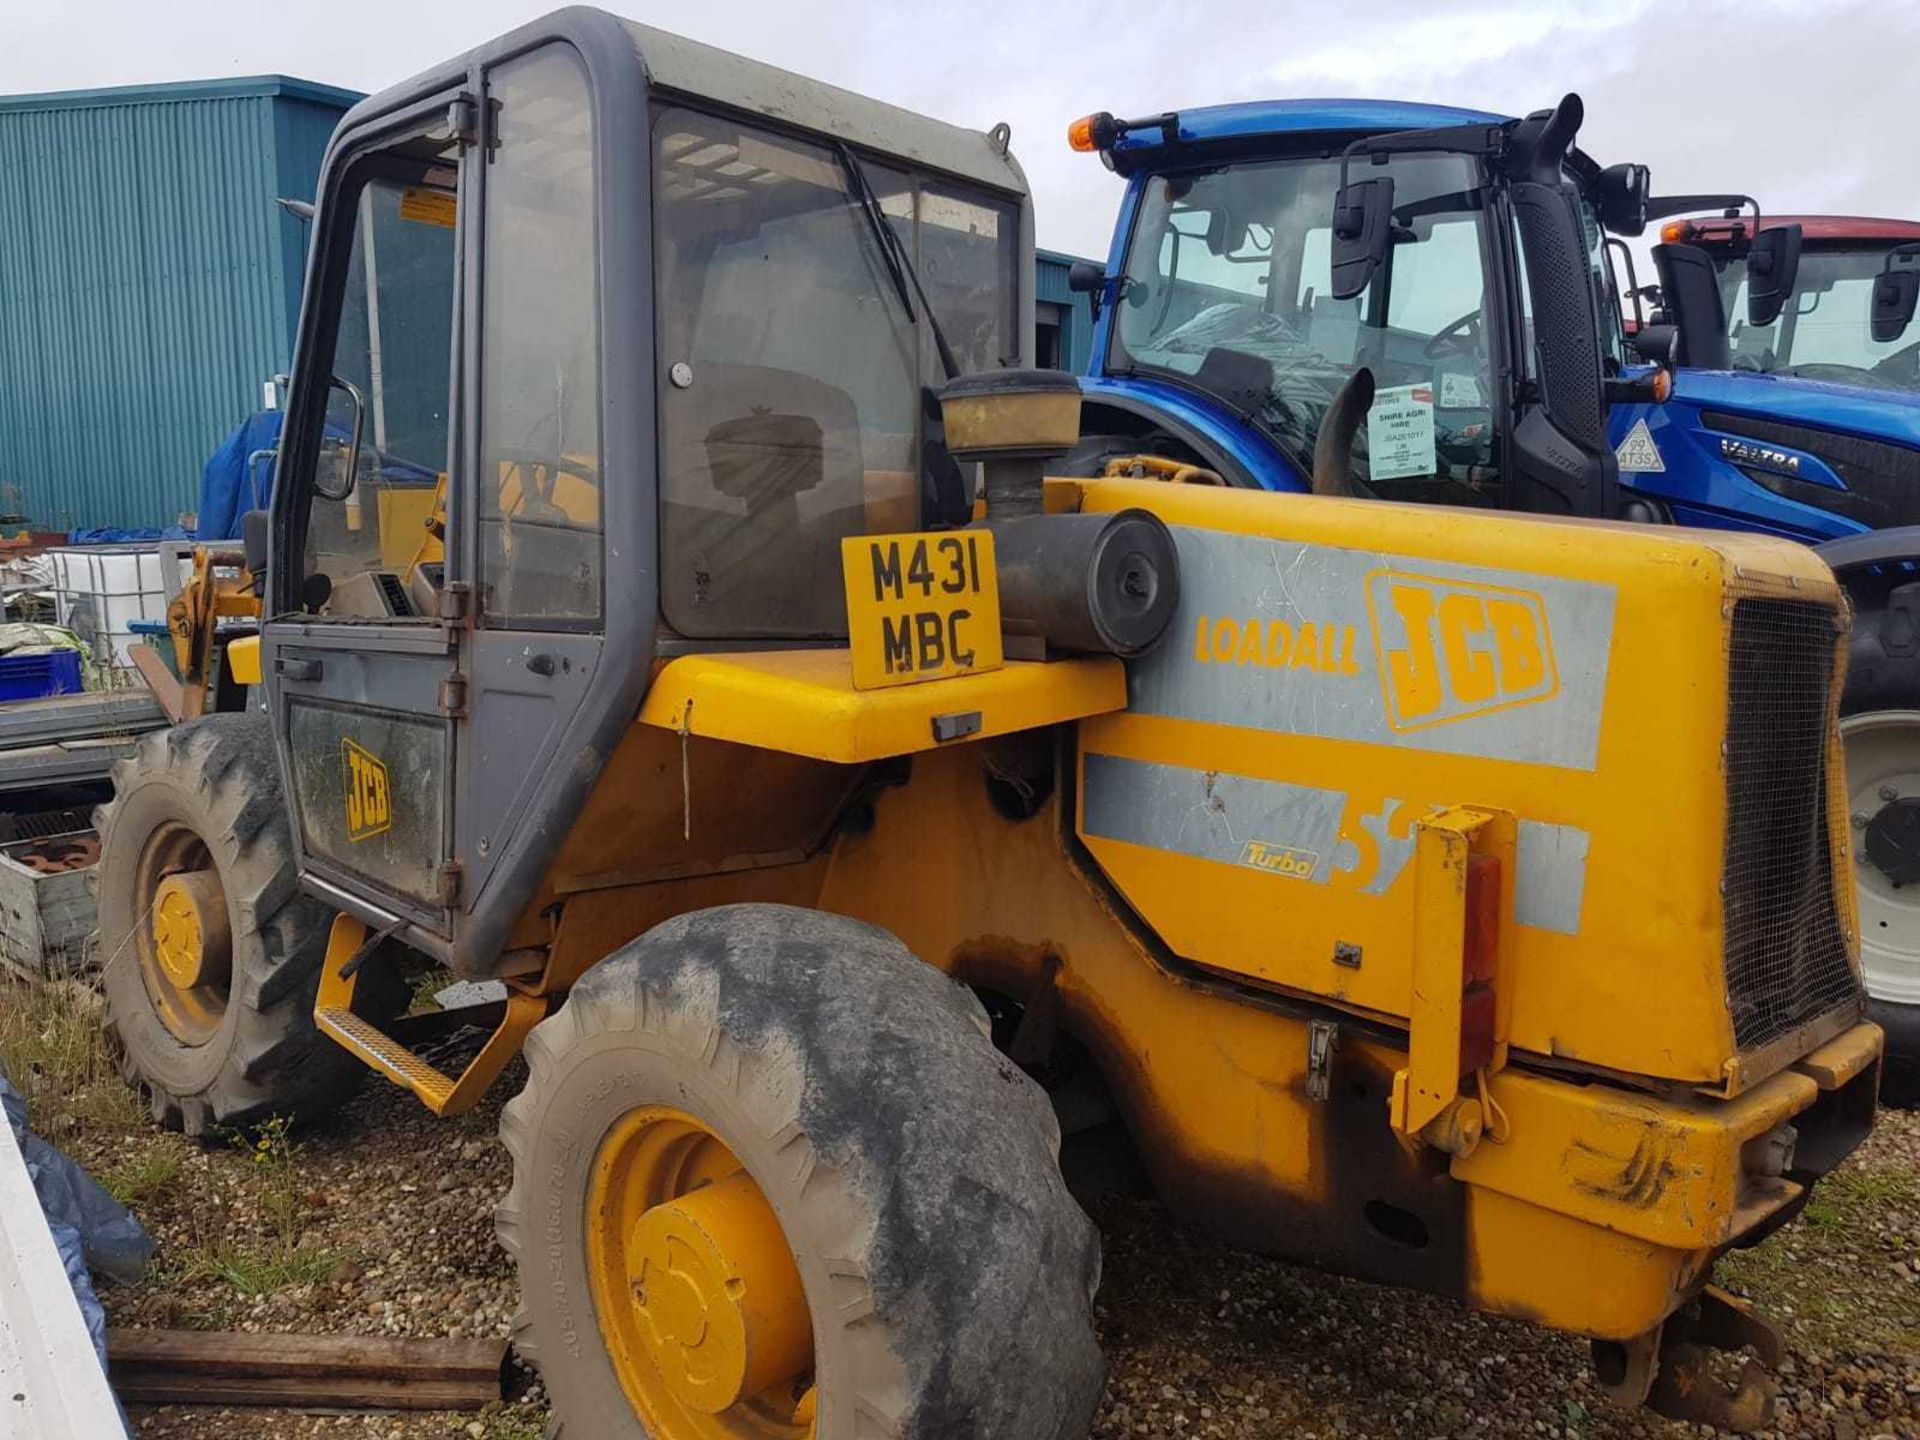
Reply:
x=1786, y=952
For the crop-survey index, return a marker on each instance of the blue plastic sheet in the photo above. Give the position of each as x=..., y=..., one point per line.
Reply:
x=93, y=1231
x=238, y=476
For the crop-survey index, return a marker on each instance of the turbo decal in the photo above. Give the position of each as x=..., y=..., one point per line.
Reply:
x=1329, y=838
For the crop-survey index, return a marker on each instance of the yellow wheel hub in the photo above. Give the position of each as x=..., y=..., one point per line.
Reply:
x=191, y=939
x=698, y=1297
x=184, y=939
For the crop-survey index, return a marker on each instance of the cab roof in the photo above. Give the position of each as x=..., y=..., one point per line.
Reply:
x=688, y=70
x=1827, y=228
x=705, y=72
x=1257, y=120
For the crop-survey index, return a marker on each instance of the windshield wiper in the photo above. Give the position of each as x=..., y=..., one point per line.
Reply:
x=899, y=263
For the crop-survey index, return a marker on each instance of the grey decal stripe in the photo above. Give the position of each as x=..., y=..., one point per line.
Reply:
x=1230, y=818
x=1318, y=640
x=1551, y=880
x=1294, y=831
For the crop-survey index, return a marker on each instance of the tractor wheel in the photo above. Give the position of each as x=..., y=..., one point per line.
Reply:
x=1883, y=801
x=773, y=1182
x=211, y=955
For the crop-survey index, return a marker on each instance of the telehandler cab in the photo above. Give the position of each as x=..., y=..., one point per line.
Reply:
x=1456, y=900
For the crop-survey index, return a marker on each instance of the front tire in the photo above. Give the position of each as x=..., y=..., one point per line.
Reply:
x=771, y=1179
x=212, y=956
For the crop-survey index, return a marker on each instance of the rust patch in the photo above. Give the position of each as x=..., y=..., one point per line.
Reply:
x=1638, y=1180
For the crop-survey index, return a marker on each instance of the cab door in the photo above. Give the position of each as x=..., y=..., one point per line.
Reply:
x=361, y=669
x=537, y=546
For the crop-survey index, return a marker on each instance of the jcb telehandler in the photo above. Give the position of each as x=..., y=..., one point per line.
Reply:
x=1460, y=901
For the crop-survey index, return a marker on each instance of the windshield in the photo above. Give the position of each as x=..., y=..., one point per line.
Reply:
x=1227, y=289
x=792, y=374
x=1824, y=331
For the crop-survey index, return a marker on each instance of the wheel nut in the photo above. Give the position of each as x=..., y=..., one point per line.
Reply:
x=1859, y=821
x=1887, y=792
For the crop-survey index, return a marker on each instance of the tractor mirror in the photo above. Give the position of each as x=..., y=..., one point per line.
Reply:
x=1085, y=277
x=1620, y=195
x=253, y=540
x=1772, y=264
x=1895, y=291
x=1362, y=233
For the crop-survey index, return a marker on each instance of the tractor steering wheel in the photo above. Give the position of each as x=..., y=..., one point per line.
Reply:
x=538, y=472
x=1462, y=335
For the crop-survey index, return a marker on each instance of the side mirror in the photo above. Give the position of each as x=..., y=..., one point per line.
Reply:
x=1895, y=291
x=1620, y=194
x=1362, y=233
x=1773, y=263
x=255, y=527
x=340, y=485
x=1657, y=342
x=1690, y=286
x=1084, y=277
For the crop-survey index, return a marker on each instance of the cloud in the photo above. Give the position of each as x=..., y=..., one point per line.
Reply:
x=1805, y=103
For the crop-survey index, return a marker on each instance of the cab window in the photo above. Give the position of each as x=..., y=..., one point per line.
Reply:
x=1227, y=289
x=381, y=468
x=540, y=516
x=793, y=380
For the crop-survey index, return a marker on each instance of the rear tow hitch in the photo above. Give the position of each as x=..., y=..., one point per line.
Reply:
x=1671, y=1367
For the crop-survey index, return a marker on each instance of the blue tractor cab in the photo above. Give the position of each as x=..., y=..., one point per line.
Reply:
x=1417, y=303
x=1268, y=254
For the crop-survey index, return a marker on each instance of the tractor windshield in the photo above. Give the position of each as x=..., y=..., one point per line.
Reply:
x=1227, y=289
x=793, y=376
x=1824, y=332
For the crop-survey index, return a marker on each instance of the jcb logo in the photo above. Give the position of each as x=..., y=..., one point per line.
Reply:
x=1451, y=649
x=1287, y=860
x=369, y=799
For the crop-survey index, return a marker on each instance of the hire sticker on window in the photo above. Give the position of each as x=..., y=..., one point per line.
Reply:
x=1400, y=433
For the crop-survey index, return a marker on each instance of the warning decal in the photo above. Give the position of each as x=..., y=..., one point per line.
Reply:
x=1638, y=452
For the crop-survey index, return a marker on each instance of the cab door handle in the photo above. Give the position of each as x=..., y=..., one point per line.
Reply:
x=293, y=668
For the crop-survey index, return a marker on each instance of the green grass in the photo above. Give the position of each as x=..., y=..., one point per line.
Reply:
x=134, y=1182
x=503, y=1424
x=259, y=1269
x=54, y=1050
x=1830, y=1273
x=1848, y=1194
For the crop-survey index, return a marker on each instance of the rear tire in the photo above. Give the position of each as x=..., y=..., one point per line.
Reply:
x=203, y=800
x=948, y=1277
x=1881, y=700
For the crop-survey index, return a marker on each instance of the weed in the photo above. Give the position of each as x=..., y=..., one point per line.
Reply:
x=277, y=1256
x=504, y=1422
x=135, y=1181
x=55, y=1051
x=260, y=1269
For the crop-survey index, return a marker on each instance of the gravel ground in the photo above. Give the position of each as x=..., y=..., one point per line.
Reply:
x=380, y=1222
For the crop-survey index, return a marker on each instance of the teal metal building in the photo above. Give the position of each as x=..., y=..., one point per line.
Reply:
x=1063, y=321
x=150, y=287
x=149, y=284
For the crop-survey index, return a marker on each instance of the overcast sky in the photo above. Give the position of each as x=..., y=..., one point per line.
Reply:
x=1809, y=105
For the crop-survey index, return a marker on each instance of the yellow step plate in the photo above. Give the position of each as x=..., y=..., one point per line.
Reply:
x=803, y=702
x=441, y=1093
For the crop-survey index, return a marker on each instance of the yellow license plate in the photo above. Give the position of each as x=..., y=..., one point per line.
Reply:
x=921, y=607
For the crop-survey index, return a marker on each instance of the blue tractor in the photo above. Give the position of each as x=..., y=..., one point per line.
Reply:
x=1796, y=411
x=1417, y=303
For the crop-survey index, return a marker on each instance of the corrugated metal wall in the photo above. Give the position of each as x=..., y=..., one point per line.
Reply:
x=148, y=285
x=1058, y=305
